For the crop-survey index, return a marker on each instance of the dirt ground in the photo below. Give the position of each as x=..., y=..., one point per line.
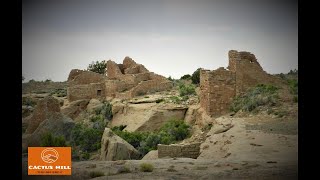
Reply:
x=249, y=150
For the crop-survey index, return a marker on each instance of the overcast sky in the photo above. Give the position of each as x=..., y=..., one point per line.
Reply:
x=169, y=37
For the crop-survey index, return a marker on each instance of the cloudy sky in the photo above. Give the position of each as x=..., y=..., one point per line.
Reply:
x=169, y=37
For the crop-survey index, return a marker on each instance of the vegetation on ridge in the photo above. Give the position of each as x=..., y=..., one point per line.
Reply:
x=170, y=132
x=98, y=67
x=257, y=96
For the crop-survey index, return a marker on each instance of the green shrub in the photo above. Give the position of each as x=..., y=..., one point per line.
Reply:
x=186, y=76
x=146, y=97
x=175, y=99
x=186, y=89
x=293, y=85
x=105, y=110
x=32, y=81
x=170, y=132
x=170, y=78
x=293, y=72
x=97, y=67
x=89, y=139
x=177, y=129
x=28, y=101
x=59, y=92
x=48, y=140
x=133, y=138
x=261, y=95
x=96, y=118
x=94, y=174
x=196, y=76
x=145, y=167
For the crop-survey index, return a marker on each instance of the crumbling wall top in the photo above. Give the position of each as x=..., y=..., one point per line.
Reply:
x=77, y=77
x=128, y=62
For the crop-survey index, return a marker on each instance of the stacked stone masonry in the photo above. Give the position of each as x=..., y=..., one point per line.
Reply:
x=179, y=150
x=219, y=87
x=123, y=81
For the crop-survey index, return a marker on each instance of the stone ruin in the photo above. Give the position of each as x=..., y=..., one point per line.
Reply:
x=219, y=87
x=179, y=150
x=123, y=81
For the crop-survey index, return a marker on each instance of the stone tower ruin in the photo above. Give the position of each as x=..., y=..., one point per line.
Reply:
x=219, y=87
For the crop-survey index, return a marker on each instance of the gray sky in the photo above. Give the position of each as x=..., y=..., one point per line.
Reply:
x=169, y=37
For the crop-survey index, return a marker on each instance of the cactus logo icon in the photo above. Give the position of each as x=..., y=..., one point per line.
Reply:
x=49, y=155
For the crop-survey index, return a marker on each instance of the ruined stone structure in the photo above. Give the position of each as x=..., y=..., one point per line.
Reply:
x=179, y=150
x=219, y=87
x=123, y=81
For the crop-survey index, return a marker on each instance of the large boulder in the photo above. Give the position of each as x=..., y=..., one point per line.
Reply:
x=115, y=148
x=93, y=105
x=117, y=107
x=42, y=111
x=57, y=124
x=192, y=114
x=151, y=155
x=75, y=108
x=147, y=116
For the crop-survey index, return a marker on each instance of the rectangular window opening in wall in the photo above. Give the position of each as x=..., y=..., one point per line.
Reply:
x=98, y=92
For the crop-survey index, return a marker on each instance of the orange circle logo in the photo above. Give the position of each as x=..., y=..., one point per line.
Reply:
x=49, y=155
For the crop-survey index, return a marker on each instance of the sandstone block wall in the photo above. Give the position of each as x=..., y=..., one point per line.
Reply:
x=113, y=70
x=86, y=91
x=248, y=71
x=179, y=150
x=142, y=77
x=219, y=87
x=77, y=77
x=122, y=81
x=145, y=87
x=217, y=91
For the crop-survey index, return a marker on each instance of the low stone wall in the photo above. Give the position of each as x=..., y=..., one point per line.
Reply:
x=145, y=87
x=179, y=150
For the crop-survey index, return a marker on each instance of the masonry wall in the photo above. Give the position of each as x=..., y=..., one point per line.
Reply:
x=113, y=70
x=86, y=91
x=217, y=90
x=249, y=72
x=77, y=77
x=219, y=87
x=178, y=150
x=123, y=81
x=150, y=86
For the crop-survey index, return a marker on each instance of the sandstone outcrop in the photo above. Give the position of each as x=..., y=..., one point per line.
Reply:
x=42, y=111
x=151, y=155
x=115, y=148
x=73, y=109
x=93, y=105
x=148, y=116
x=56, y=123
